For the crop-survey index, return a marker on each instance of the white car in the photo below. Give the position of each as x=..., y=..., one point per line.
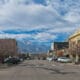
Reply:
x=49, y=59
x=64, y=59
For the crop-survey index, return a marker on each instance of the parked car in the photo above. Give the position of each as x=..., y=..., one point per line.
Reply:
x=12, y=60
x=49, y=58
x=64, y=59
x=21, y=59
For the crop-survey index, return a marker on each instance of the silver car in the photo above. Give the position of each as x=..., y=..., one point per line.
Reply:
x=64, y=59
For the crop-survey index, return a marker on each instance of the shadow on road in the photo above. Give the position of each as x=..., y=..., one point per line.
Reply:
x=58, y=71
x=52, y=70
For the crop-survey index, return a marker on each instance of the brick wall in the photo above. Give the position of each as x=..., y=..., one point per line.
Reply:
x=8, y=47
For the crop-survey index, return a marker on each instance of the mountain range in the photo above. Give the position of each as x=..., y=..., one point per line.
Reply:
x=27, y=47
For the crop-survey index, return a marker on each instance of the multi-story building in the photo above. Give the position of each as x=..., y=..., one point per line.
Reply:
x=74, y=46
x=8, y=47
x=61, y=48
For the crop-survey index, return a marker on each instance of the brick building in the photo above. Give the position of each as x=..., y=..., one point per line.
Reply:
x=8, y=47
x=61, y=48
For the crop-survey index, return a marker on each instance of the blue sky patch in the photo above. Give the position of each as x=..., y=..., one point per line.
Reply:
x=39, y=1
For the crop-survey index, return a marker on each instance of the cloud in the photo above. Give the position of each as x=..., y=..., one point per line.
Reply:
x=72, y=17
x=66, y=8
x=51, y=18
x=16, y=36
x=44, y=37
x=62, y=30
x=26, y=15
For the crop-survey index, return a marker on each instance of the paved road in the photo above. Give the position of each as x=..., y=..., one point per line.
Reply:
x=41, y=70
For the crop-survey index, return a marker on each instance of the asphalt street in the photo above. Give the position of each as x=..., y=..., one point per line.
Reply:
x=41, y=70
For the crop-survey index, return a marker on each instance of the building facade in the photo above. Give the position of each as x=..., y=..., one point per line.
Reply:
x=61, y=48
x=74, y=46
x=8, y=47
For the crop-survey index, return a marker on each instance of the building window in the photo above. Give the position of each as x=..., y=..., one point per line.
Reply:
x=78, y=41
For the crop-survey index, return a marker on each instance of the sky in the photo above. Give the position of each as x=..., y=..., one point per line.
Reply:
x=40, y=21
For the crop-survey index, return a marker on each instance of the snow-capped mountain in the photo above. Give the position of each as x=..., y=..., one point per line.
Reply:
x=32, y=47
